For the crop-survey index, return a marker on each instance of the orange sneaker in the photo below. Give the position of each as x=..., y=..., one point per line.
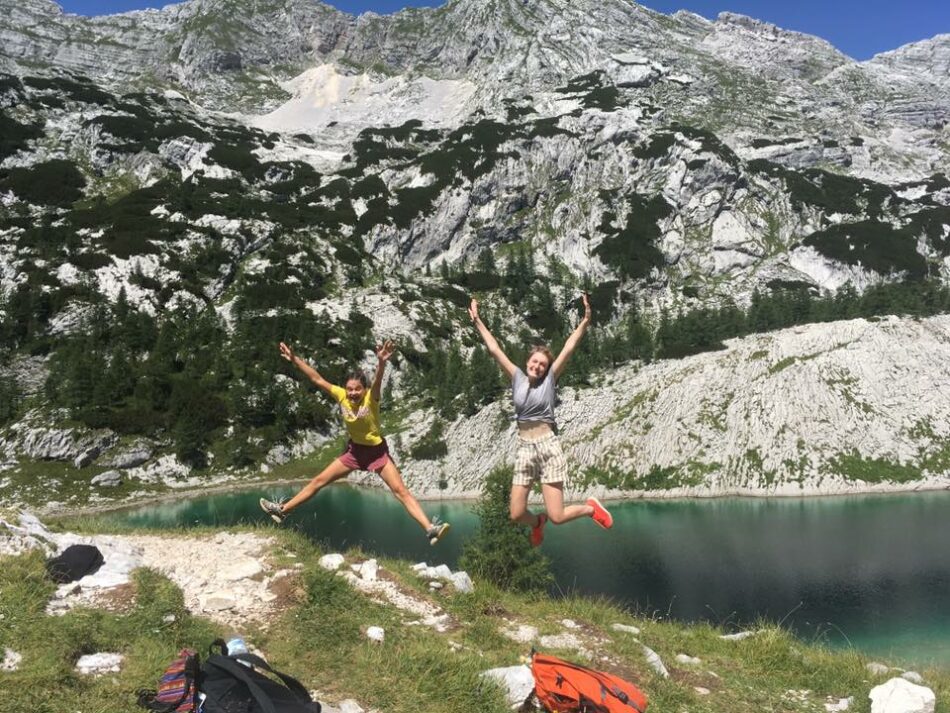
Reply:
x=600, y=515
x=537, y=532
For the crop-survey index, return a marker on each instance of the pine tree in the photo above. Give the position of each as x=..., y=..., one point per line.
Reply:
x=500, y=551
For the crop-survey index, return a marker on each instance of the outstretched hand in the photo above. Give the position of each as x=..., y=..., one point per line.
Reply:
x=473, y=309
x=286, y=352
x=587, y=312
x=385, y=350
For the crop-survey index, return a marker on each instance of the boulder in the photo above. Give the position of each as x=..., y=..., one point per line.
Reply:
x=877, y=669
x=133, y=456
x=913, y=677
x=901, y=696
x=109, y=479
x=517, y=682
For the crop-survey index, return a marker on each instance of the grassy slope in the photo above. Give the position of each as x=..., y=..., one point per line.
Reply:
x=318, y=638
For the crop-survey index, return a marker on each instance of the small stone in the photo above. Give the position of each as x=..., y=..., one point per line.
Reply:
x=842, y=704
x=350, y=706
x=99, y=664
x=901, y=696
x=375, y=633
x=656, y=663
x=523, y=633
x=242, y=569
x=168, y=618
x=419, y=567
x=701, y=691
x=738, y=636
x=913, y=677
x=436, y=585
x=517, y=681
x=570, y=624
x=217, y=602
x=367, y=570
x=876, y=668
x=462, y=583
x=442, y=571
x=331, y=562
x=626, y=628
x=11, y=660
x=685, y=658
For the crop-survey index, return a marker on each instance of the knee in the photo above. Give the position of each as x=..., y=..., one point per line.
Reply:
x=556, y=518
x=401, y=492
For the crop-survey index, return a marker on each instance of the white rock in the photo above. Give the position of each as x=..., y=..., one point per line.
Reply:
x=913, y=677
x=375, y=633
x=627, y=628
x=462, y=583
x=842, y=704
x=11, y=660
x=442, y=571
x=901, y=696
x=570, y=624
x=738, y=636
x=109, y=479
x=522, y=633
x=419, y=567
x=331, y=562
x=168, y=618
x=366, y=570
x=686, y=659
x=517, y=681
x=350, y=706
x=435, y=584
x=656, y=663
x=99, y=663
x=242, y=569
x=877, y=669
x=218, y=601
x=701, y=690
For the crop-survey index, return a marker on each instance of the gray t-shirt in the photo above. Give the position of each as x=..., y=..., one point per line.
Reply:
x=534, y=403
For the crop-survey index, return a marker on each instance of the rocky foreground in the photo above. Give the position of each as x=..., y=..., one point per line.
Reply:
x=246, y=582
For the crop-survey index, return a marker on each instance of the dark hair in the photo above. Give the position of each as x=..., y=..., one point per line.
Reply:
x=357, y=375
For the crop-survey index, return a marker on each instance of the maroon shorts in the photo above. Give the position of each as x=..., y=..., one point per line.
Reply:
x=359, y=457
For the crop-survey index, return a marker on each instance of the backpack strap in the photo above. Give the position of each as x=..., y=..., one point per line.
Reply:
x=236, y=670
x=292, y=683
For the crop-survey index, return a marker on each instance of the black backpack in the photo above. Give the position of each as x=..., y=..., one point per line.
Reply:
x=233, y=687
x=73, y=563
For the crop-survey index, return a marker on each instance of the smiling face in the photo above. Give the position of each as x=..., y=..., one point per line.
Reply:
x=355, y=391
x=537, y=367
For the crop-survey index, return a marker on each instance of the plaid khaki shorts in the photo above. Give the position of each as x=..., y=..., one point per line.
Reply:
x=540, y=460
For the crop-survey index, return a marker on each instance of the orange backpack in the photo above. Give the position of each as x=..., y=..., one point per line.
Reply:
x=565, y=687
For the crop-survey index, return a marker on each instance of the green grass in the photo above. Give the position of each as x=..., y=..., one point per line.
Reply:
x=319, y=638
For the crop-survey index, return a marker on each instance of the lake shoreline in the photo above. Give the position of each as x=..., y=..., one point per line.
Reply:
x=605, y=494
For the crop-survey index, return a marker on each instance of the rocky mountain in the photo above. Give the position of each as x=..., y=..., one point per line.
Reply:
x=181, y=189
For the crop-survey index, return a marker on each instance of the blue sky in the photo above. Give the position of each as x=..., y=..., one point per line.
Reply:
x=859, y=28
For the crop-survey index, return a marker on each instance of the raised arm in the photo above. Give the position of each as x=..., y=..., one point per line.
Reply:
x=572, y=341
x=383, y=352
x=302, y=366
x=503, y=361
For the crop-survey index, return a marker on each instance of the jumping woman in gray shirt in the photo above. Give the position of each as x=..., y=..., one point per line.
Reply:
x=534, y=392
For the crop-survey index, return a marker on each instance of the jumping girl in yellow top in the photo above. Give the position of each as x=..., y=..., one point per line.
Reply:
x=366, y=448
x=539, y=451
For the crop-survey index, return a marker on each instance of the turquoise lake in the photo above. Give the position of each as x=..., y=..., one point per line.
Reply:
x=871, y=572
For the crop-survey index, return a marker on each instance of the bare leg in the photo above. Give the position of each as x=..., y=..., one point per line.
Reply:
x=554, y=504
x=391, y=476
x=518, y=507
x=334, y=471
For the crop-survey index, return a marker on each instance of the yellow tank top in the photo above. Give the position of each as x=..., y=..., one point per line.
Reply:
x=362, y=421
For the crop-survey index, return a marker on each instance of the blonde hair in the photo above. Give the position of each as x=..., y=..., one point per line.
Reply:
x=541, y=349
